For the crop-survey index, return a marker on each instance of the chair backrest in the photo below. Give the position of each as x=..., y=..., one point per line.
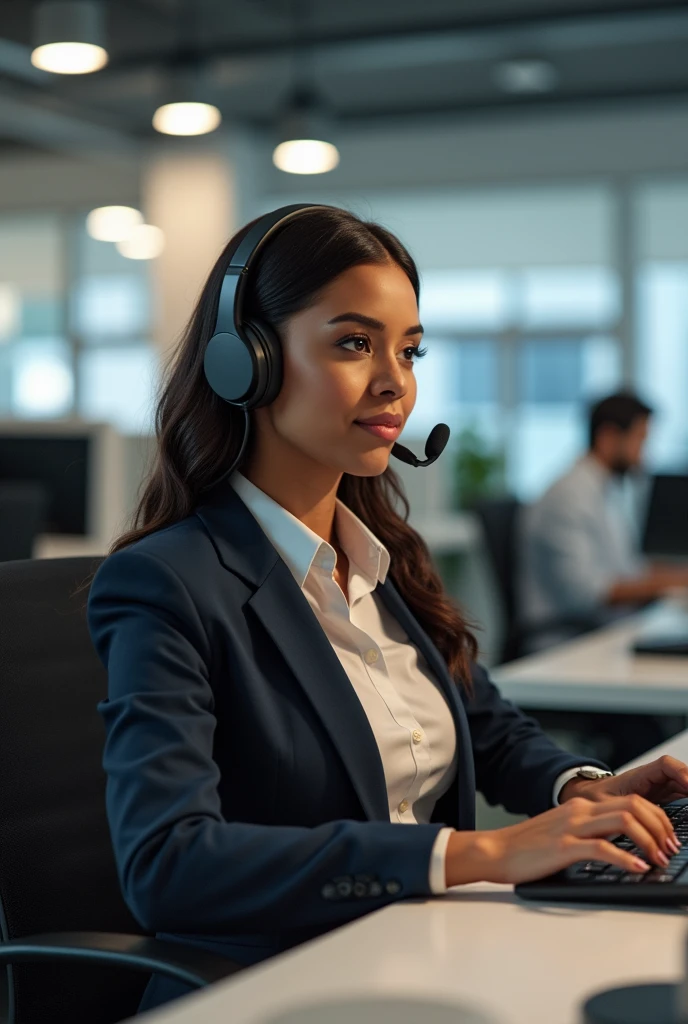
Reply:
x=57, y=870
x=23, y=507
x=498, y=518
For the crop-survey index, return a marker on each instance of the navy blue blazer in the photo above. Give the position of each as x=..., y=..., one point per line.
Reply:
x=245, y=791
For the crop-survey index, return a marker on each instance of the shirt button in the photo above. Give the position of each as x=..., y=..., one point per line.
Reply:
x=403, y=806
x=417, y=735
x=371, y=656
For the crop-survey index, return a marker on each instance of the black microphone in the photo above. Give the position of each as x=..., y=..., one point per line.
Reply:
x=434, y=446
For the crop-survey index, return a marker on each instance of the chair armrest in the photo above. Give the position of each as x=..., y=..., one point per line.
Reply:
x=189, y=964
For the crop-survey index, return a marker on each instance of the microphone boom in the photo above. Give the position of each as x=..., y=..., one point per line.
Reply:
x=434, y=446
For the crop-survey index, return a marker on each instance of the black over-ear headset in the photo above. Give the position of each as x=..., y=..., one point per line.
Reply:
x=243, y=359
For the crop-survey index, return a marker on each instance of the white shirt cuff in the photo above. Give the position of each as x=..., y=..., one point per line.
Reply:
x=565, y=777
x=438, y=877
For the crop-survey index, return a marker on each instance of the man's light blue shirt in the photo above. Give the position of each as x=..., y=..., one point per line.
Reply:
x=576, y=541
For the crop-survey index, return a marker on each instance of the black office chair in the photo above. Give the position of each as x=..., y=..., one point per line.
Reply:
x=499, y=519
x=60, y=900
x=23, y=505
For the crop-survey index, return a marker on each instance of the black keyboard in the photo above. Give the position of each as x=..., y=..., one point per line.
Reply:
x=600, y=882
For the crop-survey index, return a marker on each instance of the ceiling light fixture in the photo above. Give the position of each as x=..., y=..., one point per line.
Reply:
x=69, y=37
x=113, y=223
x=186, y=111
x=526, y=75
x=186, y=118
x=304, y=146
x=145, y=242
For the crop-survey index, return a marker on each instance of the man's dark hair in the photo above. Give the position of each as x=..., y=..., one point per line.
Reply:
x=621, y=409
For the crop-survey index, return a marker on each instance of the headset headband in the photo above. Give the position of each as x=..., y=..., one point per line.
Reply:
x=234, y=283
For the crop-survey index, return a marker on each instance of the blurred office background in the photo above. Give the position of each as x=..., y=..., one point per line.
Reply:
x=532, y=155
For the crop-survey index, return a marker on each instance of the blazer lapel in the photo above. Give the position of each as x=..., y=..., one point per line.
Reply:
x=286, y=614
x=288, y=617
x=466, y=770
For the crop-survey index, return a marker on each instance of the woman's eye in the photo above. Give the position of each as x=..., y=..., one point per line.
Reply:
x=357, y=340
x=414, y=352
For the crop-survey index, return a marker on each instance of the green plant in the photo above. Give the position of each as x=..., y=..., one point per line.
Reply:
x=478, y=468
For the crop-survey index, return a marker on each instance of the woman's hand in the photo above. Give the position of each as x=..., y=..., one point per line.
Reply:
x=575, y=831
x=660, y=781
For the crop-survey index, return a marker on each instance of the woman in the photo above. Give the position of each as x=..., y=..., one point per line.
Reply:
x=289, y=686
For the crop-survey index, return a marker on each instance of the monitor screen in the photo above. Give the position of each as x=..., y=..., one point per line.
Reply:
x=61, y=465
x=666, y=524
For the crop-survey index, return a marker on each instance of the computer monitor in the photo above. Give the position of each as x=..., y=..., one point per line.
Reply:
x=666, y=524
x=81, y=466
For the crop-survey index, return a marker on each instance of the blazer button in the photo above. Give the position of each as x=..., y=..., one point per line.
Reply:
x=360, y=889
x=344, y=888
x=393, y=888
x=328, y=891
x=375, y=889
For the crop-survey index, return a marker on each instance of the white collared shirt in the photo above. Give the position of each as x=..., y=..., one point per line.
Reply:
x=405, y=705
x=577, y=541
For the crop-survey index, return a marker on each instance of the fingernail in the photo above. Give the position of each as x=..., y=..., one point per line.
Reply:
x=640, y=865
x=673, y=845
x=662, y=858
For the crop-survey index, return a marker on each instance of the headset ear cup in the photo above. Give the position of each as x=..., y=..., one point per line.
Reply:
x=267, y=350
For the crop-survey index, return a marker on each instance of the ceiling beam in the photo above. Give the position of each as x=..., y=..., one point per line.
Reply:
x=530, y=18
x=24, y=118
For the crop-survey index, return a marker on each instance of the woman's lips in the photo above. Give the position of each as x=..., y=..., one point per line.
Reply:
x=386, y=433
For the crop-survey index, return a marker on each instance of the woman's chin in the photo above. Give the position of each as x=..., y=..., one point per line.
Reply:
x=371, y=464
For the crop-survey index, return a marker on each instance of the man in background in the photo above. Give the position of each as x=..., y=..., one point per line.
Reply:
x=580, y=567
x=580, y=563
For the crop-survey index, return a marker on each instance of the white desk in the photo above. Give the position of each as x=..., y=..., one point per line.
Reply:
x=449, y=532
x=520, y=963
x=598, y=672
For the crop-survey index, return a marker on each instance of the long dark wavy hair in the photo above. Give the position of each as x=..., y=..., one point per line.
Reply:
x=199, y=435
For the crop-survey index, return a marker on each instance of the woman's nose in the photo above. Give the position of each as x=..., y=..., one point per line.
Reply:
x=389, y=378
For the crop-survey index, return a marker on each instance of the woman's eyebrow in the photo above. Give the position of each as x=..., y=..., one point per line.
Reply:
x=369, y=321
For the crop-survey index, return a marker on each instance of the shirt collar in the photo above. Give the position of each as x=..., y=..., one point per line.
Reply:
x=302, y=549
x=595, y=471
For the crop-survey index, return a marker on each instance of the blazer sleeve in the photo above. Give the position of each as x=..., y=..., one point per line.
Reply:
x=516, y=764
x=182, y=866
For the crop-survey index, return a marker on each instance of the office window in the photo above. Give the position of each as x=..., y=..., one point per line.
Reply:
x=519, y=361
x=107, y=306
x=663, y=358
x=118, y=385
x=42, y=380
x=661, y=223
x=572, y=297
x=453, y=300
x=71, y=304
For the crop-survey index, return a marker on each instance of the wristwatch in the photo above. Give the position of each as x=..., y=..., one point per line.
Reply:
x=592, y=773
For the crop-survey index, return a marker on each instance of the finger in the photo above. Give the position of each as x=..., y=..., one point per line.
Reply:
x=657, y=772
x=652, y=817
x=675, y=770
x=601, y=849
x=623, y=821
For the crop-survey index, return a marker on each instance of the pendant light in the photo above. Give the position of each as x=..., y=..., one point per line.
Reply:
x=304, y=145
x=69, y=37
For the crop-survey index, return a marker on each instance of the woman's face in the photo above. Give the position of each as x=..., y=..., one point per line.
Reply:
x=349, y=357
